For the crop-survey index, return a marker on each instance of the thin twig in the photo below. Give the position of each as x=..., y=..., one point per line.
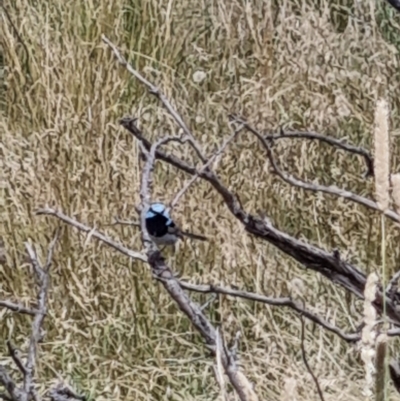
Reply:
x=212, y=159
x=285, y=302
x=15, y=355
x=303, y=353
x=338, y=143
x=95, y=233
x=332, y=189
x=18, y=308
x=117, y=221
x=156, y=91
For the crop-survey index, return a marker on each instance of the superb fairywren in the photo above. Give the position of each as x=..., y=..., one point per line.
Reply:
x=162, y=229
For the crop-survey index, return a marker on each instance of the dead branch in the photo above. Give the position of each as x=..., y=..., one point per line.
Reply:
x=64, y=393
x=27, y=390
x=193, y=311
x=93, y=233
x=332, y=189
x=338, y=143
x=210, y=161
x=328, y=264
x=18, y=308
x=286, y=302
x=304, y=356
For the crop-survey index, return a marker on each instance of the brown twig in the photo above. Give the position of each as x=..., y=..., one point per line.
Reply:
x=338, y=143
x=18, y=308
x=332, y=189
x=303, y=353
x=156, y=92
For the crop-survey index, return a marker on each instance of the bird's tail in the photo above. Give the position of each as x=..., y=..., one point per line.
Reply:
x=194, y=236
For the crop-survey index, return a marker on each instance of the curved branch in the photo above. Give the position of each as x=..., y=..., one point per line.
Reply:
x=332, y=189
x=287, y=302
x=369, y=161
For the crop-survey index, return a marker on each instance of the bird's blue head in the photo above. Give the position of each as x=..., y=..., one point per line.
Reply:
x=158, y=209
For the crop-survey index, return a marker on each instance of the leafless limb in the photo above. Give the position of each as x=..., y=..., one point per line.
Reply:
x=27, y=391
x=303, y=353
x=171, y=284
x=156, y=92
x=17, y=308
x=93, y=233
x=64, y=393
x=15, y=355
x=332, y=189
x=338, y=143
x=286, y=302
x=210, y=161
x=329, y=264
x=125, y=222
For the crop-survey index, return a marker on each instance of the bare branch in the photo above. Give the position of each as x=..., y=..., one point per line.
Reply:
x=44, y=280
x=286, y=302
x=94, y=233
x=332, y=189
x=15, y=355
x=5, y=379
x=156, y=92
x=338, y=143
x=211, y=160
x=303, y=353
x=18, y=308
x=328, y=264
x=64, y=393
x=117, y=221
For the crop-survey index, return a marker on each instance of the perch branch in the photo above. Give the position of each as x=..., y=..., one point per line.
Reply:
x=94, y=233
x=193, y=311
x=328, y=264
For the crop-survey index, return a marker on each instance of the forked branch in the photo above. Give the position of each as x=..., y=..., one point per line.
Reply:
x=27, y=391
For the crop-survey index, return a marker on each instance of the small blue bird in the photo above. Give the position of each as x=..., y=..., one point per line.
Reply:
x=162, y=229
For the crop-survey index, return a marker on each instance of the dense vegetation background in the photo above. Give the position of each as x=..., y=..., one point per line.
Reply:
x=112, y=331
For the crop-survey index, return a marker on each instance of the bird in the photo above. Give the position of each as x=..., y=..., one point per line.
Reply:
x=162, y=229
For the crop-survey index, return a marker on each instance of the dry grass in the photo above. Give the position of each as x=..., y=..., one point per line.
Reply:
x=112, y=331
